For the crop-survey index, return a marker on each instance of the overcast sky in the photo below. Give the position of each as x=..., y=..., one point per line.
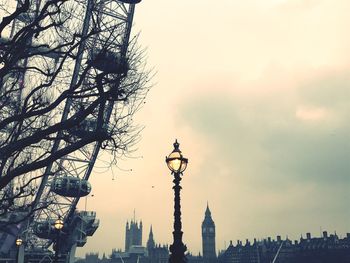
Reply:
x=257, y=93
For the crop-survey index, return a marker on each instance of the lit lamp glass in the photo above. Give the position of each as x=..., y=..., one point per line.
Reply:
x=58, y=224
x=176, y=161
x=19, y=242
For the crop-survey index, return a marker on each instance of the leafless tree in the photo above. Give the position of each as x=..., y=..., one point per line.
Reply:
x=47, y=112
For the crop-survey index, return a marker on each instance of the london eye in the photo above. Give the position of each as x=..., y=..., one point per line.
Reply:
x=101, y=61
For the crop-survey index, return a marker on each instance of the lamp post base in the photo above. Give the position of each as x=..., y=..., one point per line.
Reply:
x=177, y=253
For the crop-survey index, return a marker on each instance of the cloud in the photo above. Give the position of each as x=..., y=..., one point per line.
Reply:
x=311, y=114
x=269, y=139
x=276, y=157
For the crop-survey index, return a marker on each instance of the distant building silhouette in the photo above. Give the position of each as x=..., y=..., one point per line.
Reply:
x=91, y=258
x=133, y=234
x=159, y=254
x=135, y=252
x=208, y=238
x=325, y=249
x=194, y=259
x=208, y=241
x=156, y=253
x=150, y=243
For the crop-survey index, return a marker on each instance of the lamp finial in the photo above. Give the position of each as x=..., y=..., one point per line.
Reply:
x=176, y=144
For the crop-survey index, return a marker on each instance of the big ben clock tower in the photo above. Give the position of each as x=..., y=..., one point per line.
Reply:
x=208, y=238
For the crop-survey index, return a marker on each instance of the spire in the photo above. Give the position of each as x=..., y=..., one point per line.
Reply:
x=150, y=243
x=207, y=211
x=151, y=232
x=208, y=221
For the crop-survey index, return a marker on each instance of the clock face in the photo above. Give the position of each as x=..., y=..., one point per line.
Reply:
x=204, y=230
x=211, y=230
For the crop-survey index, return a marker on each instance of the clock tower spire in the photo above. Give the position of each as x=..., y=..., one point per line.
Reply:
x=208, y=238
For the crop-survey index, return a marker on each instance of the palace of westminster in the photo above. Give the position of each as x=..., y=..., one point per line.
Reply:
x=324, y=249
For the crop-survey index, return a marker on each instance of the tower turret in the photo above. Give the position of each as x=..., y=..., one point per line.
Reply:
x=127, y=236
x=133, y=234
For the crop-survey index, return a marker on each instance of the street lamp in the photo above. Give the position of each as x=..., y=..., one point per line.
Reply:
x=177, y=164
x=58, y=225
x=19, y=242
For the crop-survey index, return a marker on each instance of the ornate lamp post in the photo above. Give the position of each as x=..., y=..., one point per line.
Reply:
x=19, y=242
x=177, y=163
x=58, y=225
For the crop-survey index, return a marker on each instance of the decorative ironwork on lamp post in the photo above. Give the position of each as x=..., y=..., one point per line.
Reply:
x=177, y=164
x=58, y=225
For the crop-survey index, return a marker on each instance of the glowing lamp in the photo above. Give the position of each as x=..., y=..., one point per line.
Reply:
x=58, y=224
x=176, y=162
x=19, y=242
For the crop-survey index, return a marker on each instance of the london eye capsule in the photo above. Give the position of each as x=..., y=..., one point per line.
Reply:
x=85, y=127
x=70, y=186
x=108, y=61
x=44, y=230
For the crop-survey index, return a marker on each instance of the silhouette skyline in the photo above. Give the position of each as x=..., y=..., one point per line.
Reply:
x=307, y=248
